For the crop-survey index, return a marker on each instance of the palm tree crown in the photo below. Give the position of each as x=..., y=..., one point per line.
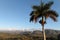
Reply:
x=44, y=11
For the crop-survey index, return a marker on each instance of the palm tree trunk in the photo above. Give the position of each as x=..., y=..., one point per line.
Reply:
x=43, y=31
x=44, y=35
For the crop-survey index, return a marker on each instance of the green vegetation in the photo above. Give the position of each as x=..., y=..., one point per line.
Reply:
x=28, y=35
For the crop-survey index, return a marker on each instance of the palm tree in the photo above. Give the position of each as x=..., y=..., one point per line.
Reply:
x=41, y=13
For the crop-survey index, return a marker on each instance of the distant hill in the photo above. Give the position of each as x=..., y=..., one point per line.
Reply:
x=18, y=34
x=49, y=33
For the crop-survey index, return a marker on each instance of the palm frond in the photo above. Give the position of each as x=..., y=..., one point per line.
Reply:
x=31, y=13
x=35, y=7
x=53, y=17
x=47, y=5
x=46, y=16
x=35, y=18
x=31, y=18
x=34, y=13
x=51, y=12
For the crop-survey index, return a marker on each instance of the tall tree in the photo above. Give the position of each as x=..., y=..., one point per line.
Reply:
x=41, y=13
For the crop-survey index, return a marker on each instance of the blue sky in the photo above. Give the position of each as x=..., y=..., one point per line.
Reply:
x=14, y=14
